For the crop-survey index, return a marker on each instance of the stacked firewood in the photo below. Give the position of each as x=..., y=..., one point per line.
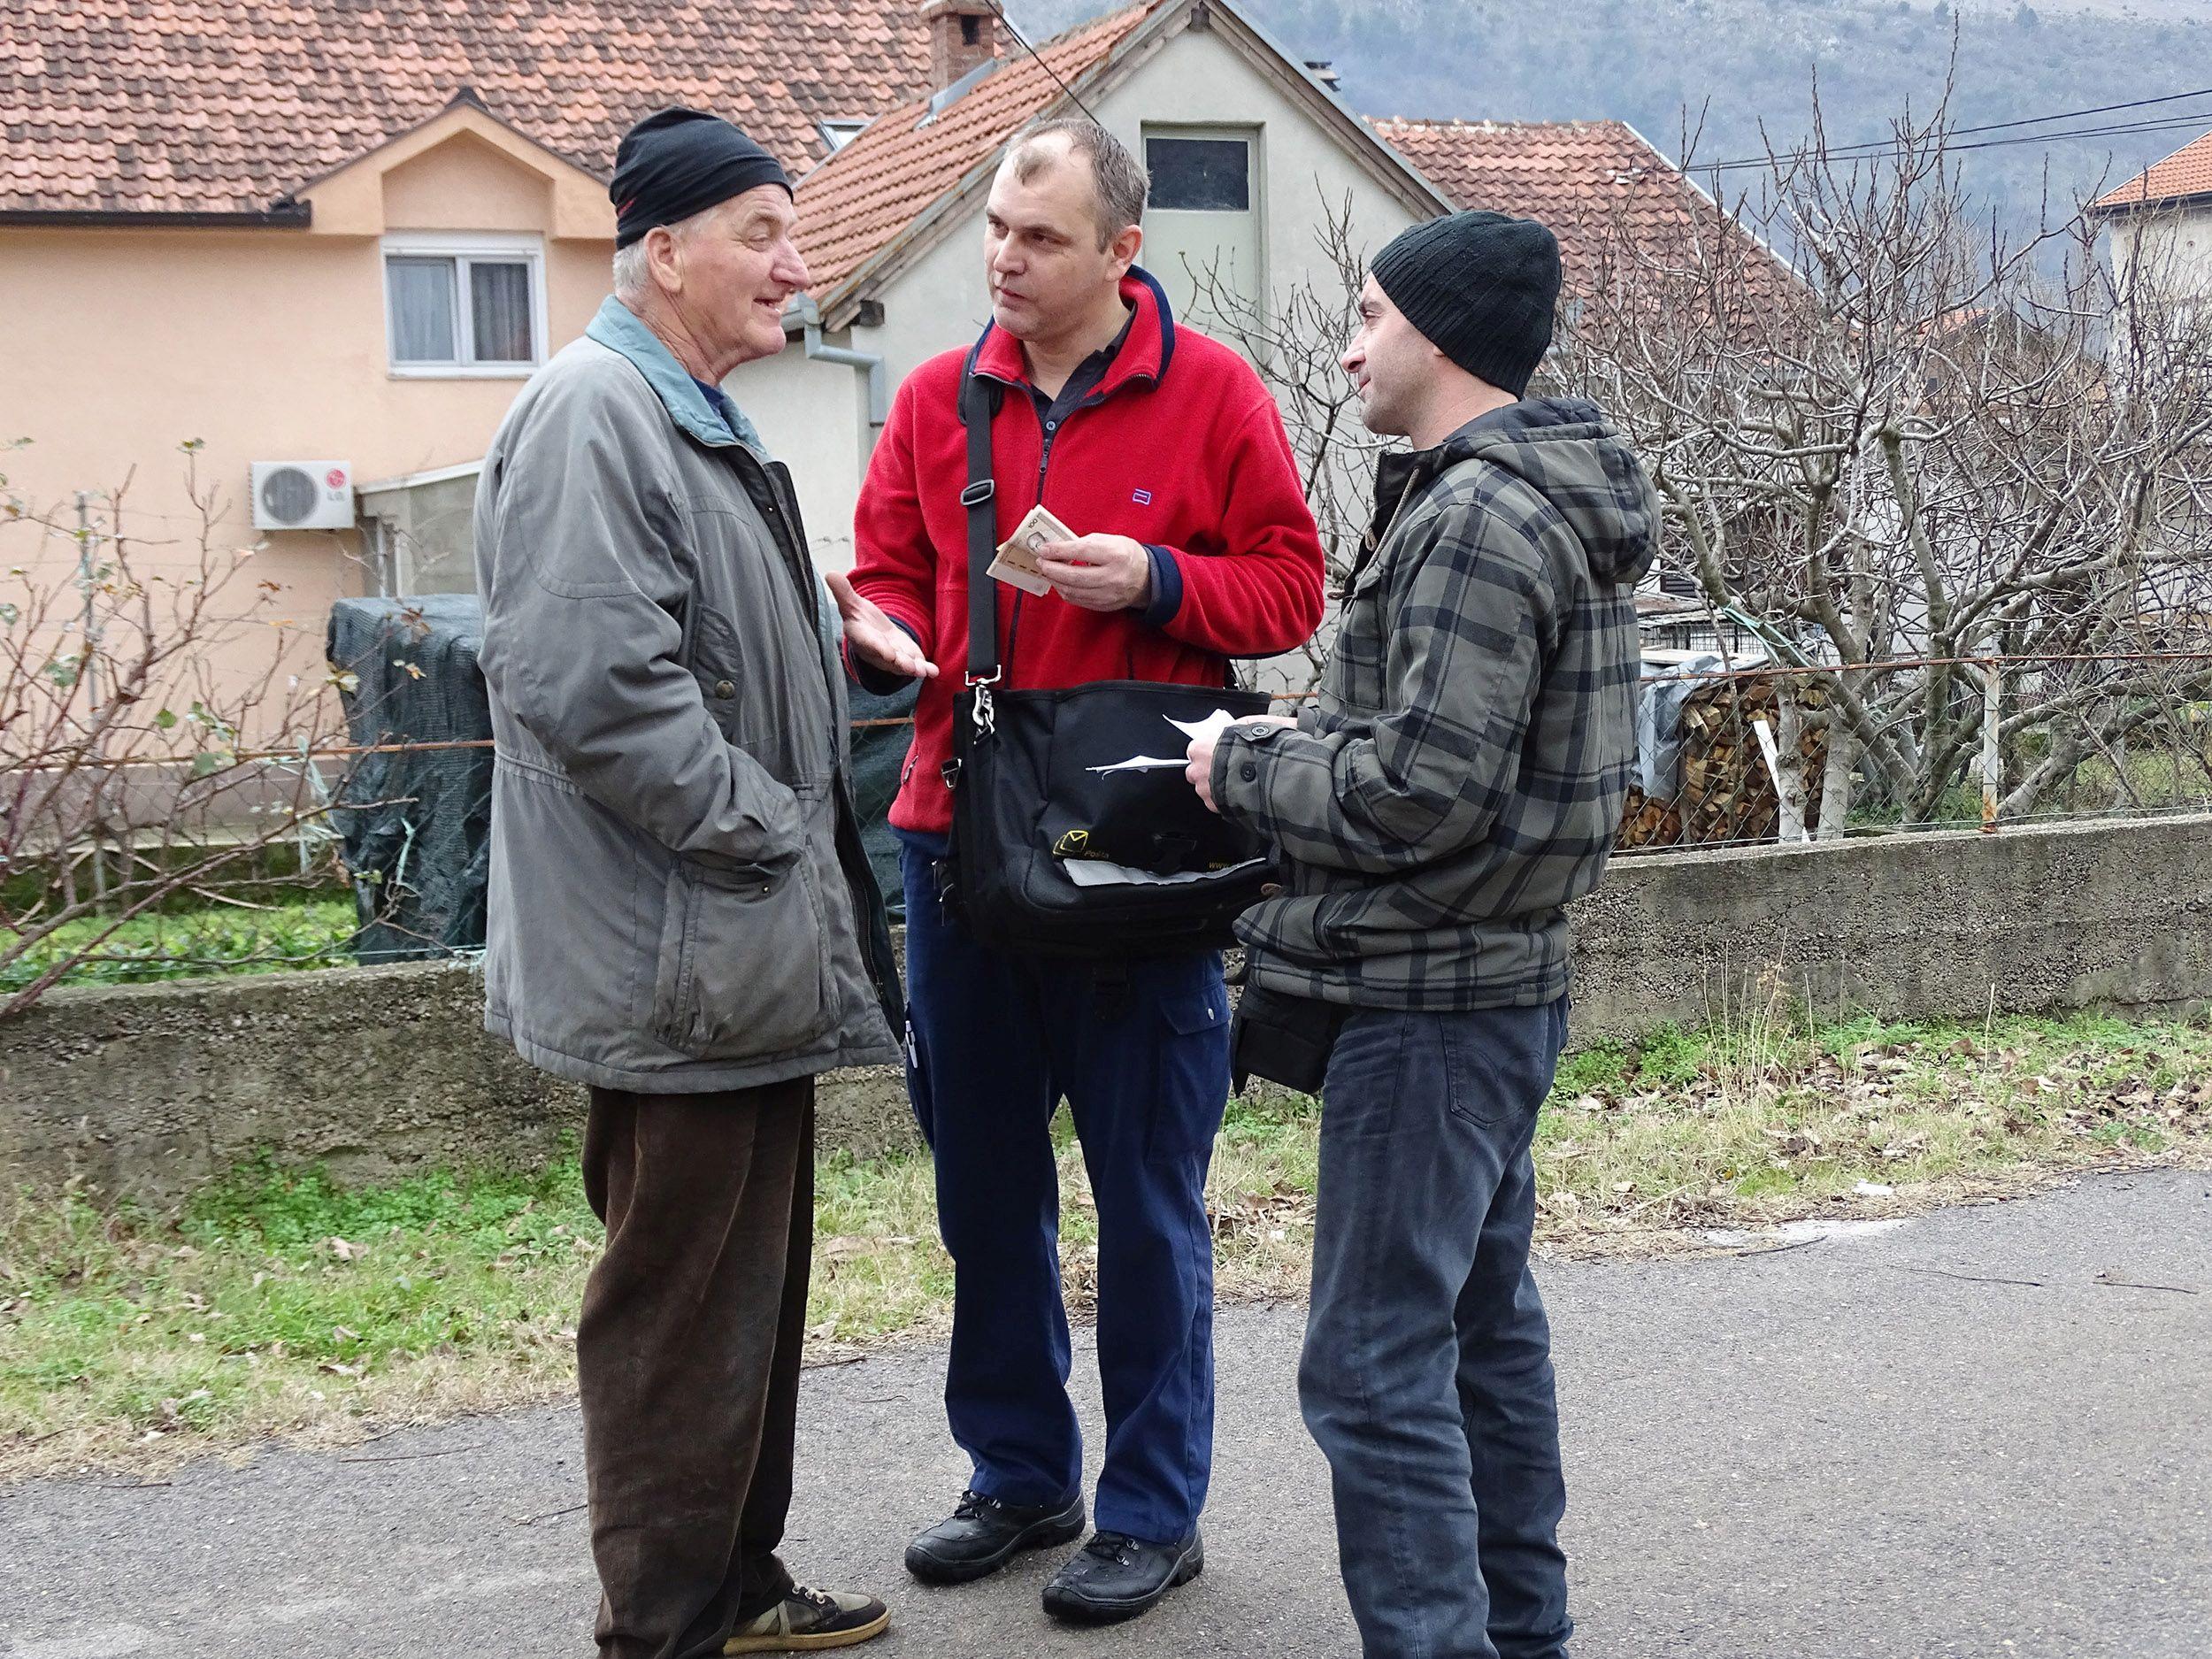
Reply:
x=1728, y=792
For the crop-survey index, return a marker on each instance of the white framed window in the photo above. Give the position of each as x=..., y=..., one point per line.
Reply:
x=464, y=306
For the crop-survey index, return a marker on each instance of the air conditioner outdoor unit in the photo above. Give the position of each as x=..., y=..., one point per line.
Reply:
x=303, y=495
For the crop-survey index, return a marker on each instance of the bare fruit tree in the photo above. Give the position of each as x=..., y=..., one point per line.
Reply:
x=1960, y=482
x=1294, y=339
x=158, y=735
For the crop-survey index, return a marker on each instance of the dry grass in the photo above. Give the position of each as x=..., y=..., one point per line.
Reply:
x=282, y=1307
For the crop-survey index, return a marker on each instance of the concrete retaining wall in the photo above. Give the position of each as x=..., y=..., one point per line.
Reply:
x=2110, y=915
x=147, y=1090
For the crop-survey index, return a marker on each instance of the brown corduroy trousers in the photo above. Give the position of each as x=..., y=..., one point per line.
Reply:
x=688, y=1357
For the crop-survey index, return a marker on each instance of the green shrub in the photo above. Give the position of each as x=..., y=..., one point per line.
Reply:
x=219, y=938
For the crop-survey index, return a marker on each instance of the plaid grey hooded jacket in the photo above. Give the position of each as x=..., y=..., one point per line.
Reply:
x=1461, y=778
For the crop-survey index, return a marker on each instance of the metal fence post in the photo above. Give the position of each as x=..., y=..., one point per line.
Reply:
x=1992, y=771
x=88, y=674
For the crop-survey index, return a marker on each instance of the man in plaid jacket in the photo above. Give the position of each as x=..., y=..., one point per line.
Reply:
x=1458, y=782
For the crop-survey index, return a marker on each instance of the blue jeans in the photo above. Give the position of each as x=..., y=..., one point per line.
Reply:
x=1427, y=1376
x=994, y=1041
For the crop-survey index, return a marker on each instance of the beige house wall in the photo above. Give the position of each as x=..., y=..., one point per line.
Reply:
x=263, y=345
x=464, y=184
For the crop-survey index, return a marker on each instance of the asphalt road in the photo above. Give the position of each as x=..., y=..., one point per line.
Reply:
x=1951, y=1437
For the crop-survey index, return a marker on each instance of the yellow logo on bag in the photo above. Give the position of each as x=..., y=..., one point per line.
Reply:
x=1075, y=844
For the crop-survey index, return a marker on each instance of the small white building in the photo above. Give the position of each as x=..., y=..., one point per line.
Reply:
x=1250, y=153
x=2159, y=226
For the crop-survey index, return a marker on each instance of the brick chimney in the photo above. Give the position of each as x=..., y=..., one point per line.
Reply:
x=962, y=34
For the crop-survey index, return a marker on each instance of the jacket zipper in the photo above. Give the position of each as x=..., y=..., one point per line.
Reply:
x=1374, y=550
x=1048, y=432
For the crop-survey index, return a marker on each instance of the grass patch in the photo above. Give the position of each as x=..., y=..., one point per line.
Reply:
x=1771, y=1120
x=273, y=938
x=281, y=1304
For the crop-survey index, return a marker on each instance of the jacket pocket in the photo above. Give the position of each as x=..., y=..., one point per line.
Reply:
x=718, y=662
x=766, y=694
x=744, y=970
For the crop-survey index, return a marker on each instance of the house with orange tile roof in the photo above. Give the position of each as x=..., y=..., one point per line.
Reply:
x=1597, y=184
x=1250, y=152
x=2160, y=225
x=329, y=244
x=312, y=231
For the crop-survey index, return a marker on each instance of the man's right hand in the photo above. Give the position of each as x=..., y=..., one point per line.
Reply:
x=874, y=637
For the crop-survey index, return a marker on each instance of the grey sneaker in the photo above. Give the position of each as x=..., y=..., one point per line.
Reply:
x=808, y=1621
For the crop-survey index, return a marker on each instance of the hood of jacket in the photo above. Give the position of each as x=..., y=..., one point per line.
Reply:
x=1566, y=449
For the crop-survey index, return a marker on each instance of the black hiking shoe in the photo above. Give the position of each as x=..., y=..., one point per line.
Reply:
x=982, y=1534
x=1116, y=1577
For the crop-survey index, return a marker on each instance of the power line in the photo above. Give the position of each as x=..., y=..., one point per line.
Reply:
x=1022, y=41
x=1875, y=147
x=2101, y=108
x=2192, y=123
x=1867, y=152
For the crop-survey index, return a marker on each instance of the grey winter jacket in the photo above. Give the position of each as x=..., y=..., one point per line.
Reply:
x=1461, y=778
x=678, y=899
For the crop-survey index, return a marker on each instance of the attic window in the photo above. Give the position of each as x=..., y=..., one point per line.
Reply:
x=1204, y=175
x=838, y=133
x=464, y=306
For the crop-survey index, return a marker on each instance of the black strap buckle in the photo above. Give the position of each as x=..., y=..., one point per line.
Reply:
x=978, y=492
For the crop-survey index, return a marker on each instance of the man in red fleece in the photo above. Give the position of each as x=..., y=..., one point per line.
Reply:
x=1165, y=455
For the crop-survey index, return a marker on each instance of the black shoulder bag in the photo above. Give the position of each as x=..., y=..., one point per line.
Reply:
x=1052, y=855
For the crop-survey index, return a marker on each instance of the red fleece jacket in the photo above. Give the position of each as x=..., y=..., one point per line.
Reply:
x=1180, y=447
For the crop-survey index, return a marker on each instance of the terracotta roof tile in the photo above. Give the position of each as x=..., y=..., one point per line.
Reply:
x=857, y=201
x=1576, y=176
x=159, y=106
x=2187, y=172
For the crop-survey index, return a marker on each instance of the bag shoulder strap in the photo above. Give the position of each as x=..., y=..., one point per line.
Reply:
x=979, y=405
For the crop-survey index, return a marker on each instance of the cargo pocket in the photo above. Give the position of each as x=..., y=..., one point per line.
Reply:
x=1192, y=1076
x=744, y=966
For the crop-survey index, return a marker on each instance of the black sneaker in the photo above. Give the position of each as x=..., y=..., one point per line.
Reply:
x=1116, y=1577
x=982, y=1534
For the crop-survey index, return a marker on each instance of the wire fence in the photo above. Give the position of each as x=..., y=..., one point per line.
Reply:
x=1788, y=753
x=1728, y=755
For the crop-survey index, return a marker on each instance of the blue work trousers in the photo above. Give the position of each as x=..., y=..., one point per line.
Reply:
x=1141, y=1054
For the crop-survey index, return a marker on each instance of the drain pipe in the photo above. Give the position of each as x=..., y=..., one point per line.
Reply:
x=808, y=315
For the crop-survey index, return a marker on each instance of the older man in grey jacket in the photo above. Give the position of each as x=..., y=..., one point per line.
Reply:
x=682, y=916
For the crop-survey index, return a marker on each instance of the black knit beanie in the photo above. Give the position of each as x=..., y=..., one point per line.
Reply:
x=1482, y=287
x=679, y=162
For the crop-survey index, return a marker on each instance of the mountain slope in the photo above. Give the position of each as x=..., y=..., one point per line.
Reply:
x=1739, y=65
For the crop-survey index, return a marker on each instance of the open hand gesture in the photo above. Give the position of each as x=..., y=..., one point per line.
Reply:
x=874, y=638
